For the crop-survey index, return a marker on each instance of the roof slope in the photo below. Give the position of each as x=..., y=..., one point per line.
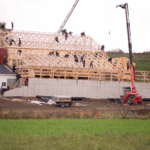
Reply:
x=5, y=70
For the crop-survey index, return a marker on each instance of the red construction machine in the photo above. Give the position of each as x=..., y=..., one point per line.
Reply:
x=129, y=95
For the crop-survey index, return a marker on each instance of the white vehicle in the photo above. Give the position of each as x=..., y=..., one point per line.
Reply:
x=62, y=100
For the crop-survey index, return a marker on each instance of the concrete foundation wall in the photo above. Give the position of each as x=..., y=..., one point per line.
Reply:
x=77, y=88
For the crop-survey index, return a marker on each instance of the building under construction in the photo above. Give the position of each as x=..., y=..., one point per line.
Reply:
x=40, y=55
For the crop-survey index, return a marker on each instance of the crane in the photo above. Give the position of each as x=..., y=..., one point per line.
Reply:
x=67, y=17
x=130, y=96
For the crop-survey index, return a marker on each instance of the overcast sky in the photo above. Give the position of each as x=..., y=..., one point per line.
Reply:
x=95, y=17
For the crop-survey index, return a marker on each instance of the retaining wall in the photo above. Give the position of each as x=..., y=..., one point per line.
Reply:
x=77, y=88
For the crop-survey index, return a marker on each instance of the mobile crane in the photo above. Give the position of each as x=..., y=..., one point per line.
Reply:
x=67, y=17
x=129, y=95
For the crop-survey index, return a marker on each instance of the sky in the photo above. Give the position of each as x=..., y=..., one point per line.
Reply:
x=97, y=18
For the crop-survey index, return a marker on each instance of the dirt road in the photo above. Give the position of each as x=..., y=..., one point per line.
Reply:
x=97, y=106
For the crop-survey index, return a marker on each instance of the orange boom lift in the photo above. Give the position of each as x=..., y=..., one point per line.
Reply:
x=129, y=95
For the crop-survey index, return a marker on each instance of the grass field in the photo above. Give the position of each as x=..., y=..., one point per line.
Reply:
x=74, y=134
x=142, y=60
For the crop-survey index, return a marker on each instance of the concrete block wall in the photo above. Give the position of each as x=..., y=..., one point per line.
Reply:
x=77, y=88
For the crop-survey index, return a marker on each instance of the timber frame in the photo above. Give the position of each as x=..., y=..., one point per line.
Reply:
x=35, y=61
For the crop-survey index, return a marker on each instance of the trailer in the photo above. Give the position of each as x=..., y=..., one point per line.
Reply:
x=62, y=100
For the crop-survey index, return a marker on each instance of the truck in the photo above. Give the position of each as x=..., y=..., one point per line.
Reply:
x=62, y=100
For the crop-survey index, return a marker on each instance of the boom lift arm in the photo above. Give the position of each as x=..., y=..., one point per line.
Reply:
x=130, y=94
x=67, y=17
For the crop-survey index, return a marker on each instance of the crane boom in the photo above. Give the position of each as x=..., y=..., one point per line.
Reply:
x=67, y=17
x=125, y=6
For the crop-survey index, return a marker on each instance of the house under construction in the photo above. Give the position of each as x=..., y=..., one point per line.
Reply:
x=41, y=56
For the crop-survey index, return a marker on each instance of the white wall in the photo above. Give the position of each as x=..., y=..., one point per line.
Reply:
x=3, y=78
x=77, y=88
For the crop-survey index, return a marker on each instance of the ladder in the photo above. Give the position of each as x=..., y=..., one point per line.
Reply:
x=67, y=17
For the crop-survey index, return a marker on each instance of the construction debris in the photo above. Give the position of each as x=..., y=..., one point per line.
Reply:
x=51, y=102
x=18, y=100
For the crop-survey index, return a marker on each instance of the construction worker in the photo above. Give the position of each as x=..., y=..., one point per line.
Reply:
x=64, y=31
x=83, y=34
x=75, y=56
x=19, y=44
x=8, y=88
x=12, y=25
x=18, y=76
x=76, y=59
x=91, y=64
x=70, y=33
x=82, y=57
x=96, y=54
x=3, y=26
x=57, y=54
x=127, y=65
x=66, y=55
x=11, y=40
x=110, y=59
x=56, y=39
x=84, y=63
x=14, y=68
x=102, y=48
x=4, y=60
x=51, y=53
x=66, y=35
x=2, y=90
x=19, y=51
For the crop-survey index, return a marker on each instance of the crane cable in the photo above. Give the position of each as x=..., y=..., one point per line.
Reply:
x=109, y=39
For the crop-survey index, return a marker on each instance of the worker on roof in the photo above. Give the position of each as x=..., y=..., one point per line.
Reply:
x=51, y=53
x=76, y=60
x=56, y=39
x=64, y=31
x=110, y=59
x=70, y=33
x=57, y=54
x=3, y=26
x=66, y=35
x=127, y=65
x=4, y=60
x=83, y=34
x=84, y=63
x=91, y=64
x=12, y=25
x=14, y=68
x=11, y=40
x=82, y=57
x=102, y=48
x=19, y=44
x=19, y=51
x=66, y=55
x=75, y=56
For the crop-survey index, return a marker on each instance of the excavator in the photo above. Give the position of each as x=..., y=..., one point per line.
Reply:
x=129, y=95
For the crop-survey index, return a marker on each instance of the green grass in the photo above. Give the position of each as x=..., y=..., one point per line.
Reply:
x=85, y=126
x=142, y=60
x=70, y=141
x=74, y=134
x=142, y=65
